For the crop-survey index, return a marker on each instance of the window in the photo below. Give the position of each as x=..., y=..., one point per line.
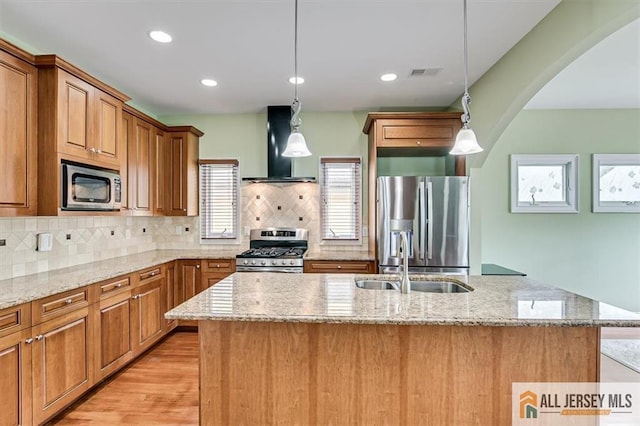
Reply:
x=543, y=183
x=616, y=183
x=219, y=186
x=340, y=212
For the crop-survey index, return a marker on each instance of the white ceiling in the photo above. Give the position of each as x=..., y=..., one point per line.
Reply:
x=247, y=46
x=606, y=76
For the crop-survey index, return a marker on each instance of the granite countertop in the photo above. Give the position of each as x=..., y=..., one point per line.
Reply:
x=333, y=298
x=15, y=291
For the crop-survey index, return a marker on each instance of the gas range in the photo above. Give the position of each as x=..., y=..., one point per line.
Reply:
x=274, y=250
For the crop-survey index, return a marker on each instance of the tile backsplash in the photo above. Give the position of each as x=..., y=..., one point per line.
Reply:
x=83, y=239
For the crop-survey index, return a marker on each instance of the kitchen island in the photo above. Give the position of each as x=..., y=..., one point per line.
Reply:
x=315, y=349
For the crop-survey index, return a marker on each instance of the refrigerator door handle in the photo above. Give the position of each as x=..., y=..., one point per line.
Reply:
x=421, y=218
x=429, y=220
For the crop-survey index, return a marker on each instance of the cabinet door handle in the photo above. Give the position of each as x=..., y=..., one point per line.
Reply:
x=39, y=337
x=92, y=149
x=99, y=151
x=137, y=296
x=68, y=301
x=29, y=341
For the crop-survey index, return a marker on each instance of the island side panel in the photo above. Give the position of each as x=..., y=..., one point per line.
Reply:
x=303, y=373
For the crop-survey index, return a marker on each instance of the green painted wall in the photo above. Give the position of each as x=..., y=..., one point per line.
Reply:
x=244, y=136
x=593, y=254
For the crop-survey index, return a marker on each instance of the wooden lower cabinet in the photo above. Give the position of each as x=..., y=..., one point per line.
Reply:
x=169, y=288
x=61, y=356
x=339, y=266
x=147, y=315
x=115, y=333
x=15, y=380
x=214, y=270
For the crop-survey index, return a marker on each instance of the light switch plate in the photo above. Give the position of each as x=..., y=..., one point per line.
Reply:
x=45, y=242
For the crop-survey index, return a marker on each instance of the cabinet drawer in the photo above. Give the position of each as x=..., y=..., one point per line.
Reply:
x=60, y=304
x=149, y=275
x=14, y=319
x=112, y=287
x=328, y=266
x=219, y=265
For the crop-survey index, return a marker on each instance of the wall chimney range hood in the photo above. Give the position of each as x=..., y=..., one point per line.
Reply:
x=278, y=130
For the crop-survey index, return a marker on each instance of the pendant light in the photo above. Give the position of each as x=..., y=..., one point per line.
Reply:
x=296, y=145
x=466, y=142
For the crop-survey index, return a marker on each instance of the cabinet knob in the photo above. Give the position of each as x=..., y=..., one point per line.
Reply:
x=92, y=149
x=118, y=285
x=184, y=210
x=418, y=142
x=29, y=341
x=153, y=273
x=68, y=301
x=99, y=151
x=198, y=266
x=218, y=266
x=137, y=296
x=339, y=266
x=39, y=337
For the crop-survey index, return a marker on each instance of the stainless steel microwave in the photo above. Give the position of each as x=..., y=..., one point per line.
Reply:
x=86, y=188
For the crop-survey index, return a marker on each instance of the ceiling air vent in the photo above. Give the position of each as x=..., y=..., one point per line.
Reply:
x=425, y=72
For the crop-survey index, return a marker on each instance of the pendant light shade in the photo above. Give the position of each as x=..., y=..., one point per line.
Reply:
x=296, y=144
x=466, y=141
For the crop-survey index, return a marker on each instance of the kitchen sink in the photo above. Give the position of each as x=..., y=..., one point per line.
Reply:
x=438, y=287
x=425, y=286
x=376, y=285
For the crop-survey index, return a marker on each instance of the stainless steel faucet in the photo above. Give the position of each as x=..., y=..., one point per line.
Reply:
x=405, y=284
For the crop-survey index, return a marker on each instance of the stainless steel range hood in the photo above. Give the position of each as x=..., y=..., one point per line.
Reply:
x=278, y=130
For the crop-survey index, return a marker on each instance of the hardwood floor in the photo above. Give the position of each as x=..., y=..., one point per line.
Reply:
x=161, y=388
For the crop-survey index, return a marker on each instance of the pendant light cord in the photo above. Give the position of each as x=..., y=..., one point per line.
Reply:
x=466, y=98
x=296, y=106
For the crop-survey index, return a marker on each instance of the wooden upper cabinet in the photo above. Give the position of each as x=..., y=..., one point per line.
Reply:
x=181, y=171
x=109, y=144
x=140, y=159
x=159, y=181
x=88, y=122
x=410, y=134
x=18, y=133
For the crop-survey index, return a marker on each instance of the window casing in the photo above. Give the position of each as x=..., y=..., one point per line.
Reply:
x=616, y=183
x=542, y=183
x=219, y=198
x=340, y=198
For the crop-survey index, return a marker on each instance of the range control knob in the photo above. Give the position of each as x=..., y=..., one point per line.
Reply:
x=253, y=262
x=246, y=262
x=262, y=262
x=292, y=262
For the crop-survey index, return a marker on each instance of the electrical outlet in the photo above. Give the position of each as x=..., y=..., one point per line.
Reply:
x=186, y=229
x=68, y=236
x=113, y=233
x=3, y=243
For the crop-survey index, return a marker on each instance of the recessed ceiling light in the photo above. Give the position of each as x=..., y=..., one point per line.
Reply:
x=388, y=77
x=209, y=82
x=296, y=80
x=160, y=36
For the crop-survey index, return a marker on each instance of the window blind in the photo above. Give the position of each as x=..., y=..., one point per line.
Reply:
x=340, y=192
x=219, y=187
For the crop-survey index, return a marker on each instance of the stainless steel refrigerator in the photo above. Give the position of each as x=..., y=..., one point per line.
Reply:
x=435, y=213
